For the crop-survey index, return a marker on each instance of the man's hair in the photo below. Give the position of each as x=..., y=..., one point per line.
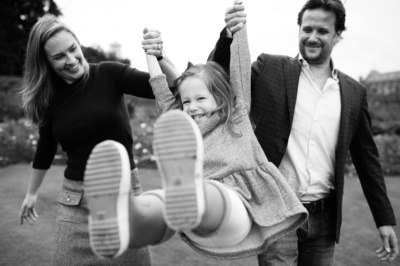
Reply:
x=335, y=6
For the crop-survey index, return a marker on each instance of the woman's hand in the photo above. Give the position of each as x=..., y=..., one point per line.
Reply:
x=152, y=42
x=28, y=211
x=235, y=18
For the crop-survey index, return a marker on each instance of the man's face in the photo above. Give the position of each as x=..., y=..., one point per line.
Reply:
x=317, y=36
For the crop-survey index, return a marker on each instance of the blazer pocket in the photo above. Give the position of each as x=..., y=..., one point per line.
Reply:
x=69, y=208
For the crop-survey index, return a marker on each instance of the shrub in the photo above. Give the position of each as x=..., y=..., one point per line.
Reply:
x=142, y=131
x=18, y=140
x=10, y=105
x=389, y=152
x=389, y=155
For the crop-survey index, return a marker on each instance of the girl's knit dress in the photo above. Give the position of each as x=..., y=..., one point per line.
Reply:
x=237, y=160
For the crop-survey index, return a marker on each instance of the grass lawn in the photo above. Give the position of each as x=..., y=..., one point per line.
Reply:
x=31, y=245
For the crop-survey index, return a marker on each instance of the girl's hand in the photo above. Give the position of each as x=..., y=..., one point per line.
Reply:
x=28, y=211
x=235, y=18
x=152, y=42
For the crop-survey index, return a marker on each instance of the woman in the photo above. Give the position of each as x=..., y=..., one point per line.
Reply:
x=77, y=105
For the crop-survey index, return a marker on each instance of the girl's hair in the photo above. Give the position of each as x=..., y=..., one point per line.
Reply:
x=217, y=81
x=37, y=84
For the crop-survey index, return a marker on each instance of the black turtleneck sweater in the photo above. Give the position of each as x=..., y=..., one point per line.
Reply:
x=87, y=112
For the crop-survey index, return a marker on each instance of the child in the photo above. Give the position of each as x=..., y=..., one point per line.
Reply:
x=223, y=196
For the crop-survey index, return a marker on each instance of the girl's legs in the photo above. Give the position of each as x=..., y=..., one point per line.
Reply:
x=215, y=206
x=146, y=222
x=235, y=223
x=199, y=208
x=193, y=204
x=117, y=219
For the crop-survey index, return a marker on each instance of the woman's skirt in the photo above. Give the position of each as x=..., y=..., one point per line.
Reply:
x=72, y=245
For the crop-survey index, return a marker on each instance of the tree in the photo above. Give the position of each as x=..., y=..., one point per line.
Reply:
x=97, y=55
x=17, y=17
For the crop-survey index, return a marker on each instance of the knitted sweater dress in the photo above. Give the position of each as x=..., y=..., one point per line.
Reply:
x=237, y=160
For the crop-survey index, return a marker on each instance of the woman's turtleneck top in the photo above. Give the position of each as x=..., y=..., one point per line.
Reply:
x=87, y=112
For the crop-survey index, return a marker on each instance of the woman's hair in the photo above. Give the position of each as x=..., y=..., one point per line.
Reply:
x=37, y=84
x=217, y=81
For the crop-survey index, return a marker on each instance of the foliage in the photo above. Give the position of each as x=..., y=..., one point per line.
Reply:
x=389, y=151
x=18, y=139
x=17, y=17
x=18, y=142
x=389, y=155
x=10, y=106
x=142, y=138
x=97, y=55
x=143, y=115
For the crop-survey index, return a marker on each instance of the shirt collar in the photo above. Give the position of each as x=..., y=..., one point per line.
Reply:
x=305, y=64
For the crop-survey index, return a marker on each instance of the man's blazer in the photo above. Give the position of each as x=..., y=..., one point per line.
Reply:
x=274, y=86
x=275, y=82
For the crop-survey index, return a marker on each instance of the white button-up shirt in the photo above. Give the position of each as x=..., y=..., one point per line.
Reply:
x=309, y=160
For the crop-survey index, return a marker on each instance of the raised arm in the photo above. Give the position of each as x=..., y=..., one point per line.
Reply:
x=153, y=45
x=235, y=18
x=240, y=67
x=165, y=100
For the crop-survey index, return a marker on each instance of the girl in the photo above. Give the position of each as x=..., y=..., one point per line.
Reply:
x=223, y=196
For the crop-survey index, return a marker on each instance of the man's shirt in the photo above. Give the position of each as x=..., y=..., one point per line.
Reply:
x=309, y=160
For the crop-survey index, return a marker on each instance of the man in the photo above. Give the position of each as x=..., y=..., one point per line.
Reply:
x=308, y=115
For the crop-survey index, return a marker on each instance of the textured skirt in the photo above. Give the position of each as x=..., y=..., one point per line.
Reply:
x=72, y=245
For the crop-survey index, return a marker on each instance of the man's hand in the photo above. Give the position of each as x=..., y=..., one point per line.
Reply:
x=235, y=18
x=390, y=247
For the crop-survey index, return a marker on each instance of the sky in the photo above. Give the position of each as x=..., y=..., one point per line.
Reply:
x=190, y=29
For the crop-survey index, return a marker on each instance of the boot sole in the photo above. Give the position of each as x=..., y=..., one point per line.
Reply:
x=107, y=186
x=178, y=146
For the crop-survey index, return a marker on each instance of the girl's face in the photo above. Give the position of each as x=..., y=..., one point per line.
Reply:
x=197, y=100
x=65, y=56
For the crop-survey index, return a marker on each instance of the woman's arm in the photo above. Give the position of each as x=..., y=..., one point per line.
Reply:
x=28, y=211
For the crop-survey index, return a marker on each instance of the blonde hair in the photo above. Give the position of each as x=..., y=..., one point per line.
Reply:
x=37, y=84
x=217, y=81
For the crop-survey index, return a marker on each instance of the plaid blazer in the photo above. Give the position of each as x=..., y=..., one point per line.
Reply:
x=274, y=86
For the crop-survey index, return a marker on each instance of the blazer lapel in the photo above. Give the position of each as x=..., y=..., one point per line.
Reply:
x=345, y=98
x=292, y=70
x=344, y=130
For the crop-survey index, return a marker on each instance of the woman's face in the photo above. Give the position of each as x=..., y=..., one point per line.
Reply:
x=65, y=56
